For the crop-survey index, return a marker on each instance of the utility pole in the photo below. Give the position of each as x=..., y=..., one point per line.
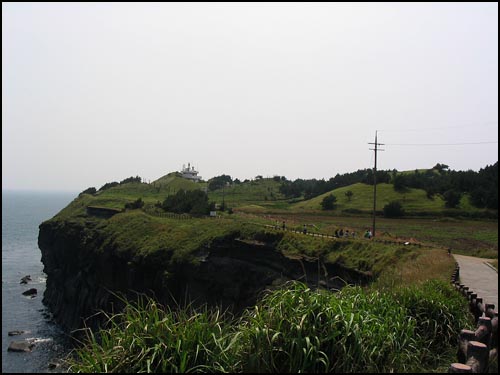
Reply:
x=223, y=205
x=375, y=179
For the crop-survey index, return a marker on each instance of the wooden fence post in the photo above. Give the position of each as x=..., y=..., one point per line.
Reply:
x=459, y=368
x=477, y=356
x=464, y=338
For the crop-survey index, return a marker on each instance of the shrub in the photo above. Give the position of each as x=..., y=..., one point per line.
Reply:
x=90, y=190
x=328, y=202
x=131, y=179
x=134, y=205
x=108, y=185
x=349, y=195
x=452, y=198
x=393, y=209
x=219, y=182
x=193, y=202
x=400, y=183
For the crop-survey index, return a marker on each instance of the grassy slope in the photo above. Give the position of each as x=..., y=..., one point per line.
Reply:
x=117, y=196
x=137, y=233
x=262, y=192
x=479, y=238
x=174, y=181
x=413, y=200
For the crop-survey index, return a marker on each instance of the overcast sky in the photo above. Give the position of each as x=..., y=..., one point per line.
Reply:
x=93, y=93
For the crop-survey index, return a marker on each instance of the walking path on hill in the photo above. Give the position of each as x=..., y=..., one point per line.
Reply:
x=479, y=277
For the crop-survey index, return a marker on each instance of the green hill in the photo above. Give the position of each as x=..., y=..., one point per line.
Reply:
x=413, y=200
x=158, y=190
x=263, y=192
x=174, y=181
x=261, y=195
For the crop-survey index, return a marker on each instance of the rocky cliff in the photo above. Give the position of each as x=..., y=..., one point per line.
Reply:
x=85, y=270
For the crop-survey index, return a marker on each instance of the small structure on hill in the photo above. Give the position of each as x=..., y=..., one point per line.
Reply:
x=190, y=173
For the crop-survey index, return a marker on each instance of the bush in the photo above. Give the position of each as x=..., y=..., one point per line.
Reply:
x=328, y=202
x=452, y=198
x=134, y=205
x=131, y=179
x=191, y=202
x=349, y=195
x=219, y=182
x=108, y=185
x=90, y=190
x=400, y=183
x=394, y=209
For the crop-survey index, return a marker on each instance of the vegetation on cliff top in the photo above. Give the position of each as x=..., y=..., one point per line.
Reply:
x=295, y=326
x=294, y=329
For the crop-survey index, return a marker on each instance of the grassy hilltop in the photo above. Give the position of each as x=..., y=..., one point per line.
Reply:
x=413, y=200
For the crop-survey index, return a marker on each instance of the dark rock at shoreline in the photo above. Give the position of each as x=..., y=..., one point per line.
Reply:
x=15, y=333
x=30, y=292
x=20, y=346
x=25, y=279
x=52, y=365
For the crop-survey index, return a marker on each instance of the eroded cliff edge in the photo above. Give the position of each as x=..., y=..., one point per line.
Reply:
x=86, y=265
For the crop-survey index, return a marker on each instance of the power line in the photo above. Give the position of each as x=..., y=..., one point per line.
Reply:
x=439, y=144
x=439, y=128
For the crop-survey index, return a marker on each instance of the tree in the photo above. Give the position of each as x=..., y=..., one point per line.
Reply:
x=131, y=179
x=349, y=195
x=134, y=205
x=393, y=209
x=193, y=202
x=479, y=197
x=452, y=198
x=218, y=182
x=108, y=185
x=328, y=202
x=400, y=183
x=440, y=167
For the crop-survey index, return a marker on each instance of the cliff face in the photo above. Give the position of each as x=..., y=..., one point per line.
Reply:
x=230, y=273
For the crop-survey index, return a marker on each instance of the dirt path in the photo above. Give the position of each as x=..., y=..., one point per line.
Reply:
x=479, y=277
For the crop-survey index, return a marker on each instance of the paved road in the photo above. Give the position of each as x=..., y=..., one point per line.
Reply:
x=479, y=277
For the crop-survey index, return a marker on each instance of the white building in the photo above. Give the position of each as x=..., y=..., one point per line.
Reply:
x=190, y=173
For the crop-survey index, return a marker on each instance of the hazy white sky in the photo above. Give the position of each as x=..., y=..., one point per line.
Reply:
x=93, y=93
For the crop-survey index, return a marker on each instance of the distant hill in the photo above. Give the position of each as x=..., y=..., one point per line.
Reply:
x=174, y=181
x=261, y=194
x=117, y=196
x=362, y=199
x=259, y=191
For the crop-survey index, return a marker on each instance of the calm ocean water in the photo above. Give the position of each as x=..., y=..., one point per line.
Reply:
x=22, y=213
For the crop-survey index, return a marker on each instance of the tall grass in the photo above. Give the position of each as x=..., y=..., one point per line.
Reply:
x=300, y=330
x=147, y=337
x=294, y=329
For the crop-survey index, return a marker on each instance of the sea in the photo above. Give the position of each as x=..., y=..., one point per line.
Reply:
x=22, y=213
